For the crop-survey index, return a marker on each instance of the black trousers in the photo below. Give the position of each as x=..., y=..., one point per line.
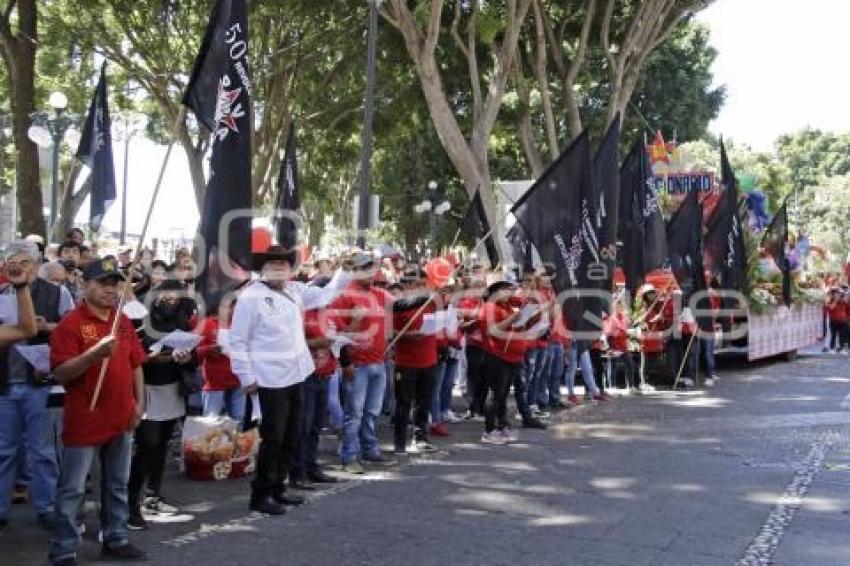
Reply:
x=314, y=407
x=148, y=463
x=414, y=389
x=281, y=409
x=837, y=334
x=499, y=375
x=475, y=382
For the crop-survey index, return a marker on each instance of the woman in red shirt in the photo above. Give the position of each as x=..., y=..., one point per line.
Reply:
x=504, y=347
x=221, y=390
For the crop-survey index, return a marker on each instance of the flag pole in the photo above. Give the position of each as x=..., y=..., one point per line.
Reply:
x=419, y=311
x=128, y=282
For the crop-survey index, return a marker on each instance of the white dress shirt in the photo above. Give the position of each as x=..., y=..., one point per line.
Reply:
x=266, y=339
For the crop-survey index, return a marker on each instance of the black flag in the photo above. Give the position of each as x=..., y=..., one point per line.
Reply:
x=289, y=194
x=606, y=181
x=557, y=215
x=724, y=240
x=521, y=248
x=684, y=245
x=633, y=179
x=774, y=241
x=474, y=224
x=655, y=233
x=219, y=93
x=95, y=150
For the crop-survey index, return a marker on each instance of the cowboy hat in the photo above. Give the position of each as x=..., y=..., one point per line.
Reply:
x=273, y=253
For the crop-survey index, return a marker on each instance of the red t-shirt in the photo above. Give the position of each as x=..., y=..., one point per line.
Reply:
x=837, y=311
x=215, y=367
x=616, y=327
x=317, y=325
x=414, y=352
x=78, y=331
x=507, y=346
x=652, y=340
x=371, y=339
x=468, y=307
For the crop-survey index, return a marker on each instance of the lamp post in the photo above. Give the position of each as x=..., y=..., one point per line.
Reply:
x=437, y=205
x=49, y=130
x=126, y=130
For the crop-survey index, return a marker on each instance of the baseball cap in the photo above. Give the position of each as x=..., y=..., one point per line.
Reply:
x=102, y=268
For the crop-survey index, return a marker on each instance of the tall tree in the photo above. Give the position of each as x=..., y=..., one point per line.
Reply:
x=18, y=44
x=491, y=29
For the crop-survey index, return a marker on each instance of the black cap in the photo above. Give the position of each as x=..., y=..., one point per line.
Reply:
x=102, y=268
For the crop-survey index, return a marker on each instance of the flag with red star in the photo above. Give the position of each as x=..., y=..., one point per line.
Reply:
x=219, y=93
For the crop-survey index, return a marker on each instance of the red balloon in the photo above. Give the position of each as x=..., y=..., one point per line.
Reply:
x=438, y=270
x=261, y=239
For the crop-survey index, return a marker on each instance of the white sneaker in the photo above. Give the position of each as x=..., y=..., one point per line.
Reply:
x=509, y=435
x=715, y=377
x=450, y=417
x=646, y=388
x=494, y=437
x=687, y=382
x=709, y=382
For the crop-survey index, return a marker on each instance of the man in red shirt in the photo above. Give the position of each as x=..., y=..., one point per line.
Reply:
x=468, y=307
x=80, y=343
x=416, y=361
x=362, y=313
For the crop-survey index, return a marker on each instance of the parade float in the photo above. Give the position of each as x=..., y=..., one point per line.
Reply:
x=767, y=326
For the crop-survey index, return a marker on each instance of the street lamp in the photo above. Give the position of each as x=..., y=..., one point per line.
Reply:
x=436, y=204
x=125, y=130
x=48, y=131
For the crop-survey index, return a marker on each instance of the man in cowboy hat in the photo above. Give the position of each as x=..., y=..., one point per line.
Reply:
x=269, y=354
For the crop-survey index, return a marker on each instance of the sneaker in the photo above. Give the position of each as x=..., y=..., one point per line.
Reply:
x=124, y=552
x=715, y=377
x=450, y=417
x=538, y=414
x=508, y=434
x=156, y=504
x=70, y=561
x=687, y=381
x=646, y=388
x=574, y=400
x=423, y=446
x=708, y=382
x=601, y=398
x=353, y=468
x=439, y=430
x=135, y=522
x=534, y=423
x=46, y=521
x=493, y=438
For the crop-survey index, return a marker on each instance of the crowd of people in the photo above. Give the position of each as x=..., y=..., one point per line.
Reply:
x=342, y=341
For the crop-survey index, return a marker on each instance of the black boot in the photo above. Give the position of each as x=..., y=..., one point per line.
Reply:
x=267, y=505
x=283, y=498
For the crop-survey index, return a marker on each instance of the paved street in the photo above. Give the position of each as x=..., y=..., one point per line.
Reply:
x=756, y=470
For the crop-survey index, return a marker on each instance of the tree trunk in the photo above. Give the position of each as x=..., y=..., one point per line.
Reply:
x=19, y=57
x=71, y=203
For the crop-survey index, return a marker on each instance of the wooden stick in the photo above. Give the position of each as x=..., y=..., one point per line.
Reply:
x=684, y=361
x=128, y=283
x=409, y=323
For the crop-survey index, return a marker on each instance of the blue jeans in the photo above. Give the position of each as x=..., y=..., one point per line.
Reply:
x=364, y=396
x=586, y=370
x=24, y=413
x=444, y=395
x=708, y=354
x=540, y=379
x=334, y=402
x=389, y=394
x=554, y=374
x=439, y=373
x=232, y=400
x=115, y=473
